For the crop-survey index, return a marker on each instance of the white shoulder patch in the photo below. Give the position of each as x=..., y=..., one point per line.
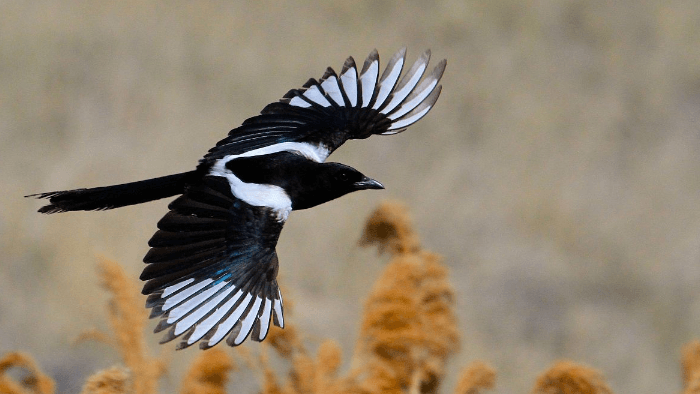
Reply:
x=317, y=153
x=270, y=196
x=257, y=195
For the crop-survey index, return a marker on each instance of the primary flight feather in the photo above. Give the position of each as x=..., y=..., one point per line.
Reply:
x=212, y=267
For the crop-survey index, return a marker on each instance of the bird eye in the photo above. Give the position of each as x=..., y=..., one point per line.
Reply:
x=343, y=176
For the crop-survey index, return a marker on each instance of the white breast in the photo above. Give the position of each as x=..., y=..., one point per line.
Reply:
x=270, y=196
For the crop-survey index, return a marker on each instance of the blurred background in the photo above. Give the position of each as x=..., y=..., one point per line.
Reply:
x=559, y=173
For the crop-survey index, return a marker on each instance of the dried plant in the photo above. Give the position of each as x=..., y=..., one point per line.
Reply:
x=408, y=331
x=115, y=380
x=475, y=377
x=128, y=319
x=208, y=373
x=408, y=326
x=311, y=375
x=390, y=227
x=567, y=377
x=690, y=364
x=34, y=382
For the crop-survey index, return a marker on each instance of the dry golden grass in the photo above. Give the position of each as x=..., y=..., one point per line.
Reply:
x=691, y=367
x=33, y=382
x=407, y=335
x=208, y=373
x=476, y=377
x=309, y=374
x=114, y=380
x=408, y=323
x=128, y=319
x=285, y=341
x=567, y=377
x=390, y=228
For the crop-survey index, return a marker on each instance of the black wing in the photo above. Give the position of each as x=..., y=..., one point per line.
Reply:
x=352, y=105
x=212, y=268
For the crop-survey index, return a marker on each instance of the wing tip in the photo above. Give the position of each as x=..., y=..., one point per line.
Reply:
x=349, y=64
x=417, y=113
x=254, y=314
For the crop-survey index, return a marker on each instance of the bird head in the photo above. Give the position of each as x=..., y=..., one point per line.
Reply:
x=328, y=181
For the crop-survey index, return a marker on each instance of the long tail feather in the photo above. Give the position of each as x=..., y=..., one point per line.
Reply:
x=109, y=197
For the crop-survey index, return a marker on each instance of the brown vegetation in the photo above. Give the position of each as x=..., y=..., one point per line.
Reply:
x=409, y=328
x=567, y=377
x=208, y=373
x=475, y=377
x=34, y=381
x=407, y=334
x=691, y=367
x=114, y=380
x=128, y=319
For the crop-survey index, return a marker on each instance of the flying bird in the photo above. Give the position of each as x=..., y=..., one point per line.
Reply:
x=212, y=266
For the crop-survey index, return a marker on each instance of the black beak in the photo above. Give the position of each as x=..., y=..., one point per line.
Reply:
x=368, y=183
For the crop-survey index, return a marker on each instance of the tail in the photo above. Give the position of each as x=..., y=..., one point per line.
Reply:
x=108, y=197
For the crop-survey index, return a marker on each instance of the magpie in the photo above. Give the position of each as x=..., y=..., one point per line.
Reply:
x=212, y=266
